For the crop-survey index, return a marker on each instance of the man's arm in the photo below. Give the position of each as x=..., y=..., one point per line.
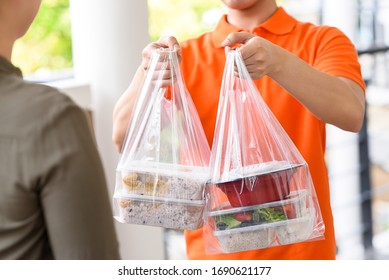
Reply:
x=334, y=100
x=124, y=107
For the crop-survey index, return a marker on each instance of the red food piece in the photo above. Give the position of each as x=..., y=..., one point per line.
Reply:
x=290, y=211
x=243, y=216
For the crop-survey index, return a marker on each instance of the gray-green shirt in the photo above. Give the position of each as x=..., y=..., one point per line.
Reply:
x=53, y=197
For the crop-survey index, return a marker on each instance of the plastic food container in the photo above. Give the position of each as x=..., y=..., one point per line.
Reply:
x=258, y=226
x=296, y=230
x=291, y=208
x=259, y=184
x=160, y=212
x=164, y=180
x=246, y=238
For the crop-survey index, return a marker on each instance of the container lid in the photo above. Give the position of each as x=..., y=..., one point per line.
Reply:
x=137, y=197
x=259, y=169
x=199, y=173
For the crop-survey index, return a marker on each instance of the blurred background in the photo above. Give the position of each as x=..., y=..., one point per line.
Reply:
x=90, y=49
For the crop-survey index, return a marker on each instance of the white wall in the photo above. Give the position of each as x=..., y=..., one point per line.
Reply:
x=108, y=37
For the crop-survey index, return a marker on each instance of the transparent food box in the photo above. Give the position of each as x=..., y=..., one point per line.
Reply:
x=244, y=239
x=296, y=230
x=263, y=225
x=161, y=212
x=164, y=180
x=163, y=195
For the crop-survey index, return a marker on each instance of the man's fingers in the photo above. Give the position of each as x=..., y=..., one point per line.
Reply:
x=169, y=42
x=147, y=51
x=235, y=39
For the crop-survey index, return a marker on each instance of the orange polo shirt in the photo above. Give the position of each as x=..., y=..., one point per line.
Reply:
x=325, y=48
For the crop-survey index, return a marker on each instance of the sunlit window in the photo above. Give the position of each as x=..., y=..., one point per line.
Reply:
x=47, y=47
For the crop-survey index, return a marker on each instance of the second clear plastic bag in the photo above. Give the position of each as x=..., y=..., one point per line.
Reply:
x=164, y=165
x=260, y=192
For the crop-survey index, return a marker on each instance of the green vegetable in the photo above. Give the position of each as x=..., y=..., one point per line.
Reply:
x=259, y=216
x=229, y=221
x=269, y=215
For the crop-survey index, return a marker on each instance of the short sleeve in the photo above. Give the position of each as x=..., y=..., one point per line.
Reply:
x=336, y=55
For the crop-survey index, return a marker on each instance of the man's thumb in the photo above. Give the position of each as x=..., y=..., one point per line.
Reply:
x=236, y=39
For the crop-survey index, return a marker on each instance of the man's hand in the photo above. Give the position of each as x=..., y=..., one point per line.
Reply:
x=162, y=69
x=125, y=105
x=260, y=56
x=164, y=42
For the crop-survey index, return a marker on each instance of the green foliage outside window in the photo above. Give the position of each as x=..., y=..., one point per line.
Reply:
x=47, y=44
x=182, y=18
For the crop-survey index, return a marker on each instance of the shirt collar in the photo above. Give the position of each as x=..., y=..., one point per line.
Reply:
x=280, y=23
x=6, y=67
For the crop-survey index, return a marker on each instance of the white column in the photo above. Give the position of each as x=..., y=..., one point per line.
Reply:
x=342, y=14
x=108, y=37
x=342, y=152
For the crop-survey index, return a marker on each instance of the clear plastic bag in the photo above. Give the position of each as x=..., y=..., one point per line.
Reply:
x=164, y=165
x=260, y=192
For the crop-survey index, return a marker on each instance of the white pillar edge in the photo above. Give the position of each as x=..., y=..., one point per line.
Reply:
x=108, y=38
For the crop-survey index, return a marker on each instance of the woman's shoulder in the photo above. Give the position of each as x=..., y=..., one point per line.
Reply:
x=33, y=106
